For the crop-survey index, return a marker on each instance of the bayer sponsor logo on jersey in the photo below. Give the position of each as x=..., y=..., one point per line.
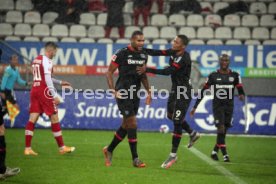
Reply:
x=45, y=121
x=135, y=62
x=204, y=117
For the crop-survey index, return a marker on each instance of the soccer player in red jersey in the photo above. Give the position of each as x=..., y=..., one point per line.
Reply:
x=44, y=99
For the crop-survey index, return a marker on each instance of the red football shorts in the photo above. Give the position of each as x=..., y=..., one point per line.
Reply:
x=40, y=103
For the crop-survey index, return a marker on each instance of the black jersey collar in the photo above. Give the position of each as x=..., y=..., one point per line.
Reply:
x=228, y=71
x=183, y=51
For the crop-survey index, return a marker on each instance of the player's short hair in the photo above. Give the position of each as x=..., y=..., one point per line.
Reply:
x=184, y=39
x=224, y=57
x=51, y=45
x=135, y=33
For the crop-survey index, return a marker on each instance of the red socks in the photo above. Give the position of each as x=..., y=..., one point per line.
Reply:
x=29, y=132
x=57, y=134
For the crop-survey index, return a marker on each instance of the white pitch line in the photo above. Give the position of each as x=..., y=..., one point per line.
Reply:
x=217, y=166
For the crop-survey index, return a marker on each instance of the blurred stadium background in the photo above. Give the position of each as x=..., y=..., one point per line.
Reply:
x=248, y=35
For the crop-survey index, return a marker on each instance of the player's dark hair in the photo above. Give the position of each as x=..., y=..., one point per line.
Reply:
x=184, y=39
x=135, y=33
x=51, y=44
x=224, y=57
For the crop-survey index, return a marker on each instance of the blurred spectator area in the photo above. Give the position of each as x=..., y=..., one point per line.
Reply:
x=214, y=22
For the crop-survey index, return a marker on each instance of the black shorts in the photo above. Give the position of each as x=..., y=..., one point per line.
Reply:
x=178, y=106
x=223, y=115
x=9, y=96
x=128, y=107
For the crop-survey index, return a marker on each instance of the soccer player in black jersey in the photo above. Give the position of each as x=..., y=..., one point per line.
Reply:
x=4, y=170
x=223, y=81
x=180, y=95
x=126, y=60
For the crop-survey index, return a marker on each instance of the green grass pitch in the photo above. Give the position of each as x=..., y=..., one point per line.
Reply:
x=253, y=160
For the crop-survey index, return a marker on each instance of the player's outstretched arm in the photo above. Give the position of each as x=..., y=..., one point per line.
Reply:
x=166, y=71
x=154, y=52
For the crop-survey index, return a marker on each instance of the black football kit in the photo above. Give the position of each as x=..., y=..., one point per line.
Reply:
x=127, y=59
x=223, y=86
x=180, y=70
